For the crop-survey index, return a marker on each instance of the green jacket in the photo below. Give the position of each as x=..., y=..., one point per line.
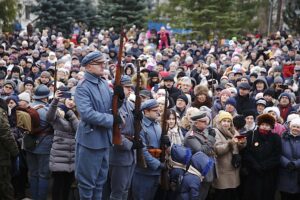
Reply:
x=8, y=146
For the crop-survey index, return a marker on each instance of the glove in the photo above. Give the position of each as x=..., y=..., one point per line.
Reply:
x=64, y=108
x=68, y=115
x=211, y=131
x=236, y=160
x=137, y=144
x=119, y=91
x=138, y=115
x=118, y=120
x=291, y=166
x=163, y=166
x=165, y=140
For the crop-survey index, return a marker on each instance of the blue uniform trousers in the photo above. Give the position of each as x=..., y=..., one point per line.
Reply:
x=121, y=177
x=144, y=186
x=91, y=168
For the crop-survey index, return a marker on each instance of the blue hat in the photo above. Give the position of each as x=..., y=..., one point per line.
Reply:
x=202, y=163
x=15, y=98
x=181, y=154
x=285, y=94
x=92, y=56
x=126, y=80
x=231, y=101
x=149, y=104
x=42, y=91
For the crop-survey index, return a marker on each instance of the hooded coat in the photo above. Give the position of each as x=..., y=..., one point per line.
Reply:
x=288, y=179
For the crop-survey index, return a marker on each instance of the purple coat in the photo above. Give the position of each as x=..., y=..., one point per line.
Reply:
x=288, y=180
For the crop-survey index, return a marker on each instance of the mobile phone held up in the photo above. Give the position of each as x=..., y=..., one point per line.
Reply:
x=66, y=95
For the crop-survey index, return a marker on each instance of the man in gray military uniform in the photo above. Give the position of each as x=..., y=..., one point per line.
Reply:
x=201, y=138
x=93, y=137
x=122, y=158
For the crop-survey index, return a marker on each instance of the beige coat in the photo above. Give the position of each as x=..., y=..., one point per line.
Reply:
x=227, y=175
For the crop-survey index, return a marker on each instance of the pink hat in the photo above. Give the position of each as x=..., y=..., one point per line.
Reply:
x=225, y=92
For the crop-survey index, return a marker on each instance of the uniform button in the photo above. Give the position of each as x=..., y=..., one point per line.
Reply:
x=92, y=129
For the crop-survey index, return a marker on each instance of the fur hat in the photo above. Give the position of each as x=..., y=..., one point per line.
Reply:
x=266, y=118
x=200, y=89
x=143, y=80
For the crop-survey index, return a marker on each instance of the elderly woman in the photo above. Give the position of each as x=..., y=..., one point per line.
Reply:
x=202, y=97
x=289, y=173
x=227, y=146
x=278, y=127
x=261, y=160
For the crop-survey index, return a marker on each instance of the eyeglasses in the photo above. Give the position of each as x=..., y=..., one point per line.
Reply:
x=8, y=87
x=97, y=63
x=156, y=110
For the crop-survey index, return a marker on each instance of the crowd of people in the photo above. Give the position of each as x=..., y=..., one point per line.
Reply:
x=232, y=116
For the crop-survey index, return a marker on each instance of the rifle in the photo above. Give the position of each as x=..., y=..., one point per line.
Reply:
x=137, y=124
x=116, y=130
x=164, y=178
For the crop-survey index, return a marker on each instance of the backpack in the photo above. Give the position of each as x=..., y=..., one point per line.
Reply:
x=35, y=119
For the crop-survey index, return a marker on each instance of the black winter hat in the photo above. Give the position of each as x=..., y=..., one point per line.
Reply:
x=184, y=98
x=153, y=74
x=15, y=69
x=239, y=121
x=269, y=92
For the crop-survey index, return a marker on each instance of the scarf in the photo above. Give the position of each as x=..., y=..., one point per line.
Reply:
x=263, y=132
x=175, y=135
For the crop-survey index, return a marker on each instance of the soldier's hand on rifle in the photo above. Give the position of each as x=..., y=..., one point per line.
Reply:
x=118, y=119
x=163, y=166
x=166, y=140
x=137, y=144
x=119, y=91
x=138, y=115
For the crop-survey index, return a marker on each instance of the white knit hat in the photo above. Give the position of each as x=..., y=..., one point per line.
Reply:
x=24, y=96
x=295, y=121
x=274, y=109
x=291, y=117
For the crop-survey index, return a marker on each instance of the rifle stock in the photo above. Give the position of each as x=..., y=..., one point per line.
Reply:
x=137, y=123
x=116, y=130
x=164, y=178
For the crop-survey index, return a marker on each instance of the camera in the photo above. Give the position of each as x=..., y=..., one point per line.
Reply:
x=212, y=81
x=283, y=87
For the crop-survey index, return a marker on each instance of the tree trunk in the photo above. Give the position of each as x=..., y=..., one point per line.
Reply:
x=263, y=16
x=278, y=15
